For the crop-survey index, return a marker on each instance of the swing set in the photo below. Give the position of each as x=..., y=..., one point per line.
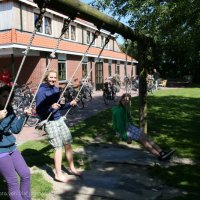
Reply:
x=73, y=9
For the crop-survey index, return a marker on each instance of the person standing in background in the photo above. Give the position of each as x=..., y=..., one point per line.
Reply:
x=156, y=76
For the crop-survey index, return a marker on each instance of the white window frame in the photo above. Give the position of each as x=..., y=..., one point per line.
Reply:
x=89, y=37
x=69, y=30
x=103, y=38
x=75, y=32
x=85, y=65
x=43, y=28
x=65, y=71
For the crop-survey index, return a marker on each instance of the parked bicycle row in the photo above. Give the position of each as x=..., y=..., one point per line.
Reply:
x=24, y=95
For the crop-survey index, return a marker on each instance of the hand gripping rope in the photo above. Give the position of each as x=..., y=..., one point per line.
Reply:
x=85, y=80
x=62, y=94
x=38, y=24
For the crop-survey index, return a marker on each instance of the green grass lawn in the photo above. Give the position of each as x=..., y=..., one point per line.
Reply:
x=173, y=122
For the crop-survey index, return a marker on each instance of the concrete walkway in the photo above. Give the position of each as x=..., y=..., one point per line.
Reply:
x=116, y=172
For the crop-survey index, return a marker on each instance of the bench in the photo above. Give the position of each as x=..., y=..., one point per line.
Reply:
x=163, y=83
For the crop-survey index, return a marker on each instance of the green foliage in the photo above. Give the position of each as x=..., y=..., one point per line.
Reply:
x=174, y=26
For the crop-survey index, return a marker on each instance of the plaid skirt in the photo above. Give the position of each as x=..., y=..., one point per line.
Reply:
x=133, y=132
x=58, y=133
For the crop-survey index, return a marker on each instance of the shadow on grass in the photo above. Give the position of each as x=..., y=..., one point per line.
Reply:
x=185, y=177
x=172, y=122
x=38, y=153
x=177, y=121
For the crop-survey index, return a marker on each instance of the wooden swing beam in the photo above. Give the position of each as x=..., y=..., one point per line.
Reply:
x=75, y=8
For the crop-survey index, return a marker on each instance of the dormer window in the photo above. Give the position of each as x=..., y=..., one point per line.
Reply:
x=90, y=36
x=46, y=26
x=73, y=32
x=103, y=42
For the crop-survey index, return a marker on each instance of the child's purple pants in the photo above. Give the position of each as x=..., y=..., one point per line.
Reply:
x=10, y=166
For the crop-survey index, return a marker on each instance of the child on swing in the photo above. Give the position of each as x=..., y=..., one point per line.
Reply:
x=12, y=164
x=125, y=129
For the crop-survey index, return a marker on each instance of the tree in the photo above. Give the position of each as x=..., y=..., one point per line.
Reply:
x=174, y=26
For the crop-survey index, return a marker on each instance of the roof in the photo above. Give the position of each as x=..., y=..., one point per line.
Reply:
x=48, y=43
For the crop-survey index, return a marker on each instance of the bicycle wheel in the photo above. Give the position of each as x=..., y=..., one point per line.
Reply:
x=87, y=95
x=32, y=121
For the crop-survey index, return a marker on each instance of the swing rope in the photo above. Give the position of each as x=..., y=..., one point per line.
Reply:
x=38, y=24
x=126, y=85
x=52, y=55
x=62, y=94
x=125, y=66
x=85, y=80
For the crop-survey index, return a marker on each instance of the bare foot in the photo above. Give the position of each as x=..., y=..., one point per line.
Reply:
x=61, y=178
x=75, y=172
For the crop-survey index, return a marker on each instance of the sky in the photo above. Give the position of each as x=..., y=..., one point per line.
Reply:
x=86, y=1
x=119, y=39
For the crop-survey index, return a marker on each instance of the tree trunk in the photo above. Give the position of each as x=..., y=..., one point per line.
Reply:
x=142, y=50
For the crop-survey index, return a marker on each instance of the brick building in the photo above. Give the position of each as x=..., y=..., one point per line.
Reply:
x=17, y=19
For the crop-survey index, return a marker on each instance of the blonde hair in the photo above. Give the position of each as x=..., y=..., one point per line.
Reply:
x=47, y=74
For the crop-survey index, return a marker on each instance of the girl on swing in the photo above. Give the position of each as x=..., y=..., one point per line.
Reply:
x=11, y=161
x=125, y=129
x=58, y=133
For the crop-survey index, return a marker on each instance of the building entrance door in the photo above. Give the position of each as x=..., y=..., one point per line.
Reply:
x=99, y=75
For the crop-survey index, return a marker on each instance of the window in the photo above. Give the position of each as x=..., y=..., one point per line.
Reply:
x=109, y=70
x=66, y=34
x=40, y=30
x=46, y=26
x=117, y=69
x=73, y=32
x=70, y=33
x=90, y=36
x=103, y=42
x=84, y=70
x=93, y=38
x=61, y=71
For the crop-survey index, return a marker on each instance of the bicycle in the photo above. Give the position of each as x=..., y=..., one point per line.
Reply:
x=33, y=119
x=22, y=100
x=109, y=92
x=86, y=92
x=71, y=94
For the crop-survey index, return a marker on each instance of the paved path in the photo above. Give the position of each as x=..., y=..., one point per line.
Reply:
x=116, y=172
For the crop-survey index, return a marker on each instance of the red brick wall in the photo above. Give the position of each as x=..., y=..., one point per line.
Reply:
x=72, y=63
